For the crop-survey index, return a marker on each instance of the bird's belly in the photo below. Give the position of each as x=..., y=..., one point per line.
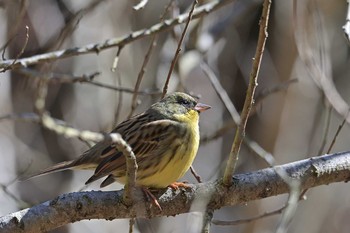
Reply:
x=169, y=169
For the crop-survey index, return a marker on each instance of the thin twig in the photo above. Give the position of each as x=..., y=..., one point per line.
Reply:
x=15, y=26
x=3, y=48
x=20, y=52
x=173, y=62
x=141, y=73
x=124, y=89
x=221, y=92
x=57, y=77
x=116, y=59
x=277, y=88
x=267, y=92
x=248, y=220
x=28, y=117
x=340, y=127
x=20, y=203
x=71, y=23
x=261, y=152
x=145, y=62
x=85, y=78
x=327, y=123
x=120, y=101
x=227, y=127
x=195, y=174
x=233, y=157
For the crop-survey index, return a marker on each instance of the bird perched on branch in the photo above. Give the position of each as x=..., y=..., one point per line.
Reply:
x=164, y=139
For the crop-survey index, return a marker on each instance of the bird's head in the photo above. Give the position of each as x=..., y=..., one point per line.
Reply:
x=180, y=106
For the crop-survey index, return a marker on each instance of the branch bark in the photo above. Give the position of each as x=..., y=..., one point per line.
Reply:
x=72, y=207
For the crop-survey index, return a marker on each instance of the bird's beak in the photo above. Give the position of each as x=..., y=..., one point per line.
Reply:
x=201, y=107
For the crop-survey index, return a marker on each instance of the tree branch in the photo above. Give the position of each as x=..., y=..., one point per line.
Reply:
x=249, y=99
x=114, y=42
x=72, y=207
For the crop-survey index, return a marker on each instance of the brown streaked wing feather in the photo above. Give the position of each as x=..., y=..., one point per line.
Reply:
x=111, y=158
x=122, y=129
x=145, y=140
x=109, y=180
x=110, y=163
x=134, y=122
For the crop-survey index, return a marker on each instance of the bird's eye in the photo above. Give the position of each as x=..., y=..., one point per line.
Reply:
x=185, y=102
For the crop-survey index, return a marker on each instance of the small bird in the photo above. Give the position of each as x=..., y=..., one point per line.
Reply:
x=164, y=139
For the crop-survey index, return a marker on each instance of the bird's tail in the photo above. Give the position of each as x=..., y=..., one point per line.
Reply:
x=55, y=168
x=89, y=160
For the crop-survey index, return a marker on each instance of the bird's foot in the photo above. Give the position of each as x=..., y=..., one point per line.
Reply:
x=177, y=185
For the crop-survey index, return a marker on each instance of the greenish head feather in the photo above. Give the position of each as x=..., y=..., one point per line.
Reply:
x=173, y=104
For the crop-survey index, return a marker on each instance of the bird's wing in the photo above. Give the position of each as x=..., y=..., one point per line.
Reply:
x=146, y=140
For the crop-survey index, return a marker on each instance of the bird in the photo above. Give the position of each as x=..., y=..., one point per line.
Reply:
x=164, y=138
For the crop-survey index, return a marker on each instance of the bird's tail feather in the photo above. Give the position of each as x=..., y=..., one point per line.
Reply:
x=55, y=168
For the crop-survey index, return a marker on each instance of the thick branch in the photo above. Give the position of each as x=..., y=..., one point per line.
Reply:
x=246, y=187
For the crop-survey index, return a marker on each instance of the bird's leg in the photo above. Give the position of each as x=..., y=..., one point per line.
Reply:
x=151, y=197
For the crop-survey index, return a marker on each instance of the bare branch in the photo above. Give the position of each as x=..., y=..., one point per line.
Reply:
x=71, y=23
x=248, y=220
x=233, y=157
x=116, y=59
x=84, y=78
x=173, y=62
x=58, y=77
x=124, y=89
x=140, y=75
x=221, y=92
x=195, y=174
x=340, y=127
x=115, y=42
x=327, y=123
x=152, y=45
x=20, y=52
x=15, y=25
x=256, y=185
